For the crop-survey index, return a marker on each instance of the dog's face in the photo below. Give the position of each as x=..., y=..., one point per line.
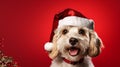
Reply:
x=73, y=43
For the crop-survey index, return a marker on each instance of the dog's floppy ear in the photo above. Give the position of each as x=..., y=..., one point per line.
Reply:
x=54, y=53
x=95, y=44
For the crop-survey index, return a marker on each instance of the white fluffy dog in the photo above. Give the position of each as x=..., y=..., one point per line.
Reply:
x=73, y=46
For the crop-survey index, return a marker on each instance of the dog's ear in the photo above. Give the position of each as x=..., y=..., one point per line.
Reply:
x=54, y=53
x=95, y=44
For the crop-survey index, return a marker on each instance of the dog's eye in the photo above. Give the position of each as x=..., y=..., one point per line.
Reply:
x=81, y=31
x=64, y=31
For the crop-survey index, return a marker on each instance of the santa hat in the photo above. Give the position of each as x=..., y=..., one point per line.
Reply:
x=68, y=17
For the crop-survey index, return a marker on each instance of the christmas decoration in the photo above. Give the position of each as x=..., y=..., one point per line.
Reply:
x=6, y=61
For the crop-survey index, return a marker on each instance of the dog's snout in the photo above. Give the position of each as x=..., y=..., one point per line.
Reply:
x=73, y=41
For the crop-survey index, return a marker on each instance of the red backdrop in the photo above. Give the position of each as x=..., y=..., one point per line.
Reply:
x=26, y=25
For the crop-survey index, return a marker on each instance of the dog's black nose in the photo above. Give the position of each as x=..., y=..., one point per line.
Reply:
x=73, y=41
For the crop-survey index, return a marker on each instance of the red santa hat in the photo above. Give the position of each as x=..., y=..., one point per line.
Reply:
x=68, y=17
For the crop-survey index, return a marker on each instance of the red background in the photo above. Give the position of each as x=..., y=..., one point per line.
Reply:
x=26, y=25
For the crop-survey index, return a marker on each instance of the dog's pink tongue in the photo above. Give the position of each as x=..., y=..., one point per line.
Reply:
x=73, y=52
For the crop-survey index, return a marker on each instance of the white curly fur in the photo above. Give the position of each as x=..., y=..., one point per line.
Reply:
x=88, y=43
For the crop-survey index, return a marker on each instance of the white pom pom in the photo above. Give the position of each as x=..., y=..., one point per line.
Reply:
x=48, y=46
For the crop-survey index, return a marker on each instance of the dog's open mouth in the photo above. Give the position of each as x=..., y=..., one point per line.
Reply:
x=73, y=51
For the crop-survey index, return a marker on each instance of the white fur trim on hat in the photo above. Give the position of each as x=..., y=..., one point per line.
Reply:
x=48, y=46
x=74, y=21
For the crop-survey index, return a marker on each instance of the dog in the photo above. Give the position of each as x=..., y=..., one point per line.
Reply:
x=74, y=42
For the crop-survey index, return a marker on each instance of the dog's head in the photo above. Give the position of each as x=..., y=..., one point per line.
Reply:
x=73, y=43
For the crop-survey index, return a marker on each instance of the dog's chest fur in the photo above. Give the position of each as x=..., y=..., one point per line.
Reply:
x=60, y=63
